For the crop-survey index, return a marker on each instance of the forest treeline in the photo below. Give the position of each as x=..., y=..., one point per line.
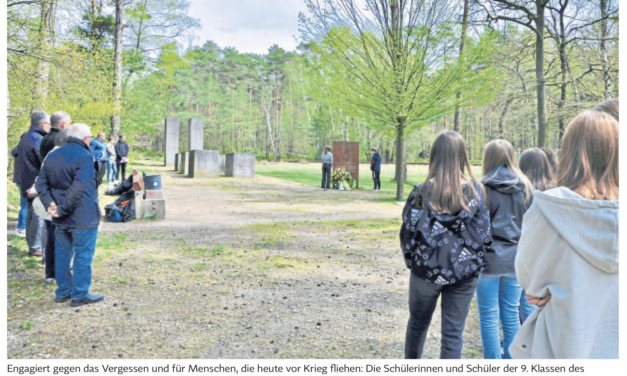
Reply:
x=394, y=73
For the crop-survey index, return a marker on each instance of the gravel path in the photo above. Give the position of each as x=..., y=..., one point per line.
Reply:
x=259, y=268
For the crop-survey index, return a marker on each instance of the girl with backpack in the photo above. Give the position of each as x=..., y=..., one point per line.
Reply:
x=446, y=227
x=498, y=294
x=568, y=253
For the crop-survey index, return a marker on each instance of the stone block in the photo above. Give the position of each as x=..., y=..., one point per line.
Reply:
x=171, y=144
x=196, y=134
x=154, y=195
x=184, y=164
x=239, y=165
x=204, y=163
x=151, y=209
x=222, y=161
x=176, y=161
x=181, y=162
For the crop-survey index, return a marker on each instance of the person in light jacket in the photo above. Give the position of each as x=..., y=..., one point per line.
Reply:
x=327, y=166
x=111, y=156
x=567, y=259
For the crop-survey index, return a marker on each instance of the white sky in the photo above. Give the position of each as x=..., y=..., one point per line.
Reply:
x=250, y=26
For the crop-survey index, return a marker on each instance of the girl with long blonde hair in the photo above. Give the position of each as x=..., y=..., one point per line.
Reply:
x=498, y=293
x=568, y=254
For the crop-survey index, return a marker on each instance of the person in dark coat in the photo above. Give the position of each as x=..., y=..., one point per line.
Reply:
x=29, y=163
x=375, y=167
x=99, y=151
x=121, y=159
x=499, y=292
x=20, y=230
x=67, y=188
x=59, y=123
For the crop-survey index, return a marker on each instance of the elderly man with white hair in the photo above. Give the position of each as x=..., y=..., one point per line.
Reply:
x=67, y=188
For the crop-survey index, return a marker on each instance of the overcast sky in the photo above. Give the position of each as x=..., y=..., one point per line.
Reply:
x=250, y=26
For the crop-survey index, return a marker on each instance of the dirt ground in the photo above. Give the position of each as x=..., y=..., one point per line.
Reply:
x=241, y=268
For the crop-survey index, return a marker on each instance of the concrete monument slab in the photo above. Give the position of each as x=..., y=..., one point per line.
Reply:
x=239, y=165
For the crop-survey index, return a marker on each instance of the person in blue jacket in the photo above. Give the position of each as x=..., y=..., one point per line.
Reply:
x=99, y=151
x=375, y=167
x=67, y=188
x=28, y=165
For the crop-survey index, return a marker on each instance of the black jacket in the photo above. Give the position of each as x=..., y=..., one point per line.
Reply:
x=506, y=196
x=121, y=149
x=52, y=139
x=29, y=159
x=444, y=248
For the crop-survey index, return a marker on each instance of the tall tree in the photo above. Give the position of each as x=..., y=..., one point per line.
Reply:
x=458, y=110
x=530, y=14
x=117, y=63
x=394, y=58
x=607, y=78
x=46, y=33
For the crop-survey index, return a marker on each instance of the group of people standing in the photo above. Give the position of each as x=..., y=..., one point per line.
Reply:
x=58, y=167
x=111, y=157
x=534, y=240
x=327, y=166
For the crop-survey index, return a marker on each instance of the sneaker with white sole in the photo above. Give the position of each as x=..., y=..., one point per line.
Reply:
x=20, y=232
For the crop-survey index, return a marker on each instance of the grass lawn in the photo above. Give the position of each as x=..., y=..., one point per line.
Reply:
x=311, y=174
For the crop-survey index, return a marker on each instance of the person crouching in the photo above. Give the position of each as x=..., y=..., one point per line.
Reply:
x=67, y=188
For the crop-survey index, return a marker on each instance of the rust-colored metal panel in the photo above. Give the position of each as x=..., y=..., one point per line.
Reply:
x=346, y=154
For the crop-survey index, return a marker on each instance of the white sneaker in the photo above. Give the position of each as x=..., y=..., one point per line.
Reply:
x=21, y=233
x=51, y=281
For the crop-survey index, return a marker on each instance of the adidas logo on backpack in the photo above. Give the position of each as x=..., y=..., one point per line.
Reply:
x=465, y=255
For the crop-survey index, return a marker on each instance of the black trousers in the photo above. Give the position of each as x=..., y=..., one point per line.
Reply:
x=120, y=166
x=101, y=168
x=455, y=304
x=376, y=177
x=326, y=175
x=49, y=250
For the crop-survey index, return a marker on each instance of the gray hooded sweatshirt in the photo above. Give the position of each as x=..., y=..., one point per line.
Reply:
x=569, y=249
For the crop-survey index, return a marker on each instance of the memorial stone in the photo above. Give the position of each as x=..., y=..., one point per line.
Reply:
x=239, y=165
x=171, y=140
x=222, y=161
x=204, y=163
x=195, y=134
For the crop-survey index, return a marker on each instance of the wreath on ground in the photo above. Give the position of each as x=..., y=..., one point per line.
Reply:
x=342, y=179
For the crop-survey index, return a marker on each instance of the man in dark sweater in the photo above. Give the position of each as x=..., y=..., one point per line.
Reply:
x=29, y=164
x=121, y=150
x=59, y=122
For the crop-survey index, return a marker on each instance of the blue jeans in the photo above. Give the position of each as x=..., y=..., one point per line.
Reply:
x=455, y=304
x=111, y=170
x=80, y=243
x=21, y=217
x=525, y=309
x=498, y=297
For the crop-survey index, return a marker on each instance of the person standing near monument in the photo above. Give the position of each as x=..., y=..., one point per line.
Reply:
x=99, y=151
x=111, y=157
x=121, y=159
x=67, y=188
x=375, y=167
x=327, y=166
x=29, y=163
x=59, y=122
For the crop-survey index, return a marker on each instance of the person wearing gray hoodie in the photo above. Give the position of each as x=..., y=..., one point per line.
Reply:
x=567, y=258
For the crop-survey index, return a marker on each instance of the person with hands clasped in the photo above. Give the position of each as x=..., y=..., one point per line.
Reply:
x=67, y=188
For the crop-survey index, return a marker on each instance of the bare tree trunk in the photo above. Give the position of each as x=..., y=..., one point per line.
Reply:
x=540, y=7
x=117, y=61
x=458, y=110
x=94, y=8
x=607, y=79
x=46, y=33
